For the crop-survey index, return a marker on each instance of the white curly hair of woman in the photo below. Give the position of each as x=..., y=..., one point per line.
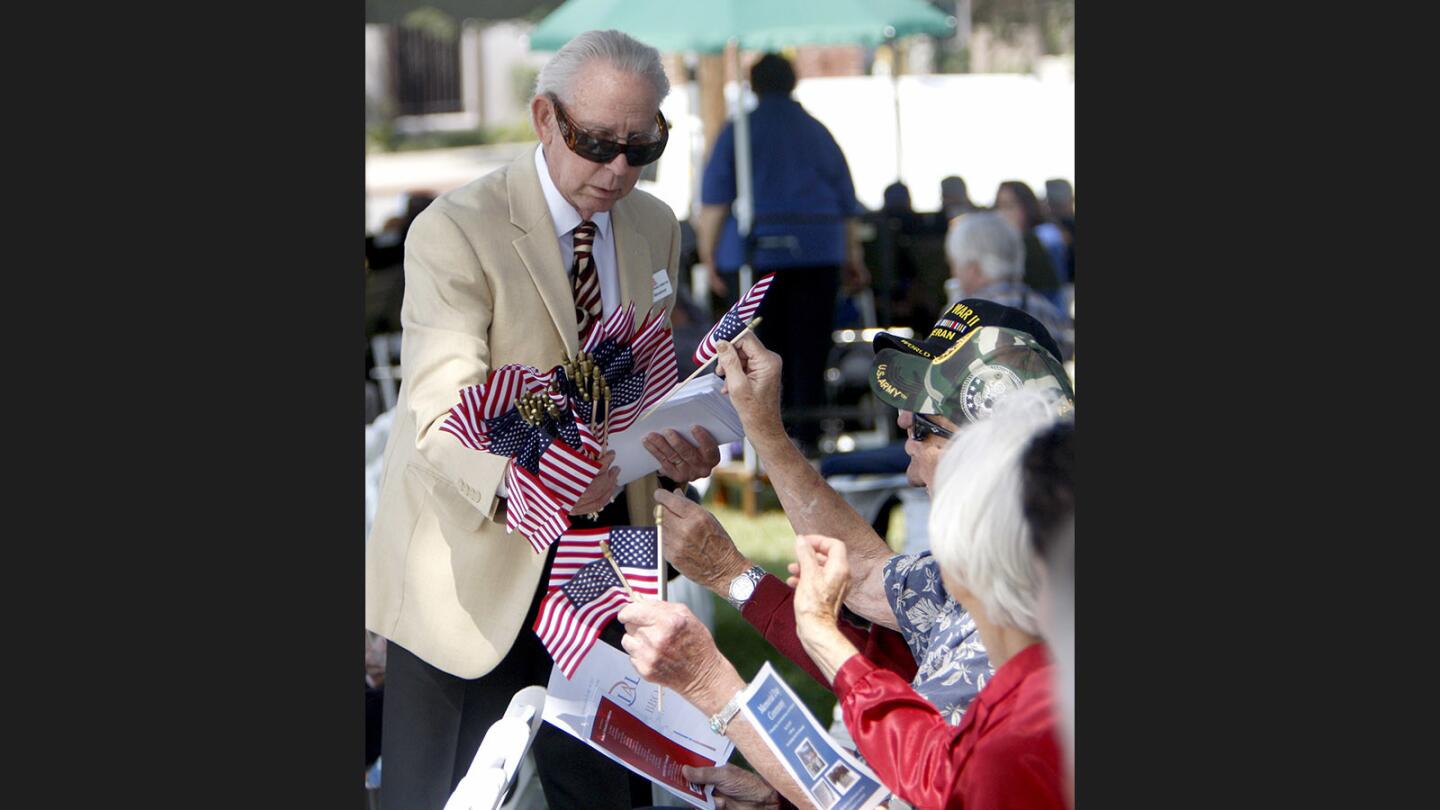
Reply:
x=978, y=530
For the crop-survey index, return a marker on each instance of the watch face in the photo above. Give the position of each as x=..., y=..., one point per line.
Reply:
x=741, y=588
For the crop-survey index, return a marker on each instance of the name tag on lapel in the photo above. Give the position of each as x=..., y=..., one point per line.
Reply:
x=662, y=285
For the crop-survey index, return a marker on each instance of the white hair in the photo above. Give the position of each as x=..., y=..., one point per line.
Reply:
x=616, y=48
x=978, y=529
x=986, y=237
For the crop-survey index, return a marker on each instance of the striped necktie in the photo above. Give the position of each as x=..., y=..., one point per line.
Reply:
x=586, y=280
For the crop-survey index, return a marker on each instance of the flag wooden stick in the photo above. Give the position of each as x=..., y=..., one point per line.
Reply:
x=606, y=422
x=660, y=547
x=754, y=322
x=605, y=549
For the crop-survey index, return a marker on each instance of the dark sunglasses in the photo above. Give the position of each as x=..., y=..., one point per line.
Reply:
x=602, y=150
x=922, y=427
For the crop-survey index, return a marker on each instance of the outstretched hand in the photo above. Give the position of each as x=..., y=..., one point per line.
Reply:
x=824, y=577
x=752, y=380
x=696, y=544
x=670, y=647
x=680, y=460
x=603, y=488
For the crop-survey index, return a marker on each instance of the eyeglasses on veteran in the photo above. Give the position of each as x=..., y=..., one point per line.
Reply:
x=921, y=427
x=603, y=150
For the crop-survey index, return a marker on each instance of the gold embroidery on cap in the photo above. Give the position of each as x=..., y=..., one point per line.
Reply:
x=887, y=386
x=961, y=342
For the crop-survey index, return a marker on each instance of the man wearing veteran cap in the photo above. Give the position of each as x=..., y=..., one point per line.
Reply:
x=975, y=354
x=952, y=327
x=966, y=380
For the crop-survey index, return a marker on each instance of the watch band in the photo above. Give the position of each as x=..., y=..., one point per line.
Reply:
x=721, y=719
x=754, y=573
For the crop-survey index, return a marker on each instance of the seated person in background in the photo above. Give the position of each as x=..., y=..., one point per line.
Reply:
x=908, y=245
x=1060, y=208
x=1017, y=203
x=384, y=267
x=987, y=260
x=1005, y=752
x=954, y=201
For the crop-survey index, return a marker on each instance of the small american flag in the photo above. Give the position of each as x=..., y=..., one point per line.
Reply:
x=733, y=321
x=653, y=347
x=490, y=400
x=567, y=471
x=532, y=510
x=572, y=615
x=616, y=327
x=546, y=474
x=633, y=548
x=540, y=505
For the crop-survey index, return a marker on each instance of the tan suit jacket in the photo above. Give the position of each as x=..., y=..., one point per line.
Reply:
x=485, y=285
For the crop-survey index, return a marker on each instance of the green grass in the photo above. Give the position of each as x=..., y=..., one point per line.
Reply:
x=768, y=540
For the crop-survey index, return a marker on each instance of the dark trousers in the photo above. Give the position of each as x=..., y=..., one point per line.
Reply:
x=434, y=722
x=799, y=312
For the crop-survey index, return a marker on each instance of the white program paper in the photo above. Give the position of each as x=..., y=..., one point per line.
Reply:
x=833, y=778
x=699, y=402
x=608, y=707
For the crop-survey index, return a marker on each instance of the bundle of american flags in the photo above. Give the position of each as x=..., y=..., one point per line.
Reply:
x=553, y=426
x=637, y=364
x=585, y=592
x=733, y=321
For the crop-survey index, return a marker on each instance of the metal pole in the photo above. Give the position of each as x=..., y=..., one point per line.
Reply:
x=744, y=206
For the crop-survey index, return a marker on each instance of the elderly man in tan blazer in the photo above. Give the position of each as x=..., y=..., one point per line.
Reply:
x=491, y=279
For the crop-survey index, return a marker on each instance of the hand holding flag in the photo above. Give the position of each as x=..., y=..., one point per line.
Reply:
x=596, y=572
x=732, y=323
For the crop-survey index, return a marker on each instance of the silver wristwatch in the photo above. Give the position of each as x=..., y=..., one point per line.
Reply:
x=721, y=719
x=743, y=587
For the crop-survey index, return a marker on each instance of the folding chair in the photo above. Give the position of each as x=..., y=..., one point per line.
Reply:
x=501, y=751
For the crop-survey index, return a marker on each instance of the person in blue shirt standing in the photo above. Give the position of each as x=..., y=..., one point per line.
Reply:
x=804, y=230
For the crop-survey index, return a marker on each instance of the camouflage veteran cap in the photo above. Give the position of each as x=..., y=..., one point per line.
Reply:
x=961, y=317
x=965, y=382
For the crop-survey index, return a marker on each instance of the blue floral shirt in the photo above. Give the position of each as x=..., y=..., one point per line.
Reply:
x=953, y=664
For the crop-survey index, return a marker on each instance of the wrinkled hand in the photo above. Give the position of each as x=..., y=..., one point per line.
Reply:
x=735, y=787
x=696, y=544
x=602, y=489
x=681, y=461
x=670, y=647
x=752, y=380
x=823, y=579
x=819, y=593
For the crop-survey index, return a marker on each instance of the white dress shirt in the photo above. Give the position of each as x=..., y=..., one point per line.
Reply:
x=602, y=252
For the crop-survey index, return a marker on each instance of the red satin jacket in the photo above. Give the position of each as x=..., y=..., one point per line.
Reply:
x=771, y=610
x=1004, y=753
